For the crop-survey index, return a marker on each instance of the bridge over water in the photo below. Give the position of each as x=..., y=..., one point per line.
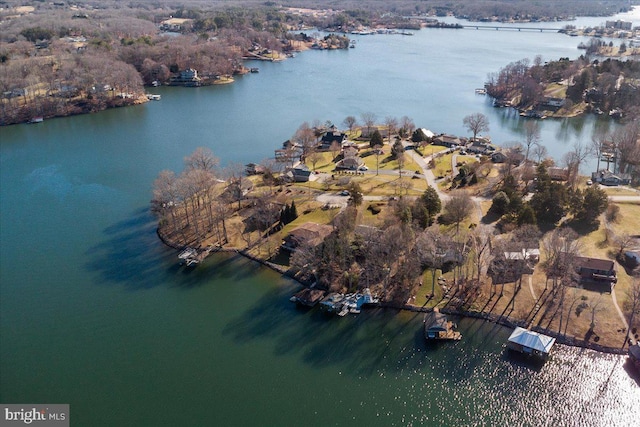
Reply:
x=510, y=28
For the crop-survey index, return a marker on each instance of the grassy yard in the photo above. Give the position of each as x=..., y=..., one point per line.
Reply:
x=629, y=219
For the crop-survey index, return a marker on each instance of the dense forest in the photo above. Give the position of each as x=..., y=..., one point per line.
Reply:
x=62, y=58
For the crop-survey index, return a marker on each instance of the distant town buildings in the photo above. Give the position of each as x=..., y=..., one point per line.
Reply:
x=619, y=25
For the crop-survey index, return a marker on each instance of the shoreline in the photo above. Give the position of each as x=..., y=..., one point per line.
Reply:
x=500, y=320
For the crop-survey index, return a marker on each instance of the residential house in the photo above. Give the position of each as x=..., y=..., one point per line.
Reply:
x=254, y=169
x=550, y=103
x=310, y=232
x=299, y=174
x=330, y=137
x=187, y=77
x=350, y=158
x=558, y=174
x=595, y=270
x=611, y=179
x=449, y=141
x=427, y=134
x=501, y=157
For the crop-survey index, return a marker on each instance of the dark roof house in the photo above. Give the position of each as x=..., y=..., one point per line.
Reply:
x=330, y=137
x=447, y=141
x=595, y=270
x=308, y=232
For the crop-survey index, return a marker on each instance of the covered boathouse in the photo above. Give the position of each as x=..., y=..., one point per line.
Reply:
x=438, y=327
x=530, y=343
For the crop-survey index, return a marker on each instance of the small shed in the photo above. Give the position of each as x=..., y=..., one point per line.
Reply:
x=530, y=342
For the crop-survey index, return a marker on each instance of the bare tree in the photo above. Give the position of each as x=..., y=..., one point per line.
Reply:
x=369, y=120
x=561, y=246
x=400, y=158
x=476, y=123
x=429, y=253
x=407, y=124
x=392, y=124
x=350, y=122
x=166, y=196
x=540, y=152
x=623, y=241
x=532, y=136
x=627, y=142
x=573, y=159
x=481, y=247
x=314, y=157
x=378, y=152
x=305, y=137
x=458, y=208
x=202, y=159
x=598, y=144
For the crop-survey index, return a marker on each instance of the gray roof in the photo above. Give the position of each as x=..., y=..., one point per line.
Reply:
x=530, y=339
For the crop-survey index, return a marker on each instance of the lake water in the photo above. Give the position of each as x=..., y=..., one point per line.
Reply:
x=94, y=311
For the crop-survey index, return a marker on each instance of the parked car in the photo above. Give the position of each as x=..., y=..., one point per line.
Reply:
x=589, y=182
x=363, y=168
x=345, y=193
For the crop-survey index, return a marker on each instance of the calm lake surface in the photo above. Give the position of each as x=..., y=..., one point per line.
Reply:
x=94, y=311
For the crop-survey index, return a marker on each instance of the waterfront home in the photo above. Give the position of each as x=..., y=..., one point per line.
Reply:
x=449, y=141
x=298, y=174
x=330, y=137
x=428, y=135
x=558, y=174
x=531, y=343
x=595, y=270
x=351, y=160
x=550, y=103
x=309, y=232
x=502, y=157
x=606, y=177
x=254, y=169
x=188, y=77
x=438, y=327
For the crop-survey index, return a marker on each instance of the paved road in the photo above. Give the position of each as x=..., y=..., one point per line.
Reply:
x=625, y=199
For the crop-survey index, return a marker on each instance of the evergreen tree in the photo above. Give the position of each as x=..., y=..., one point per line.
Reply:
x=550, y=198
x=376, y=139
x=426, y=208
x=526, y=216
x=418, y=136
x=397, y=149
